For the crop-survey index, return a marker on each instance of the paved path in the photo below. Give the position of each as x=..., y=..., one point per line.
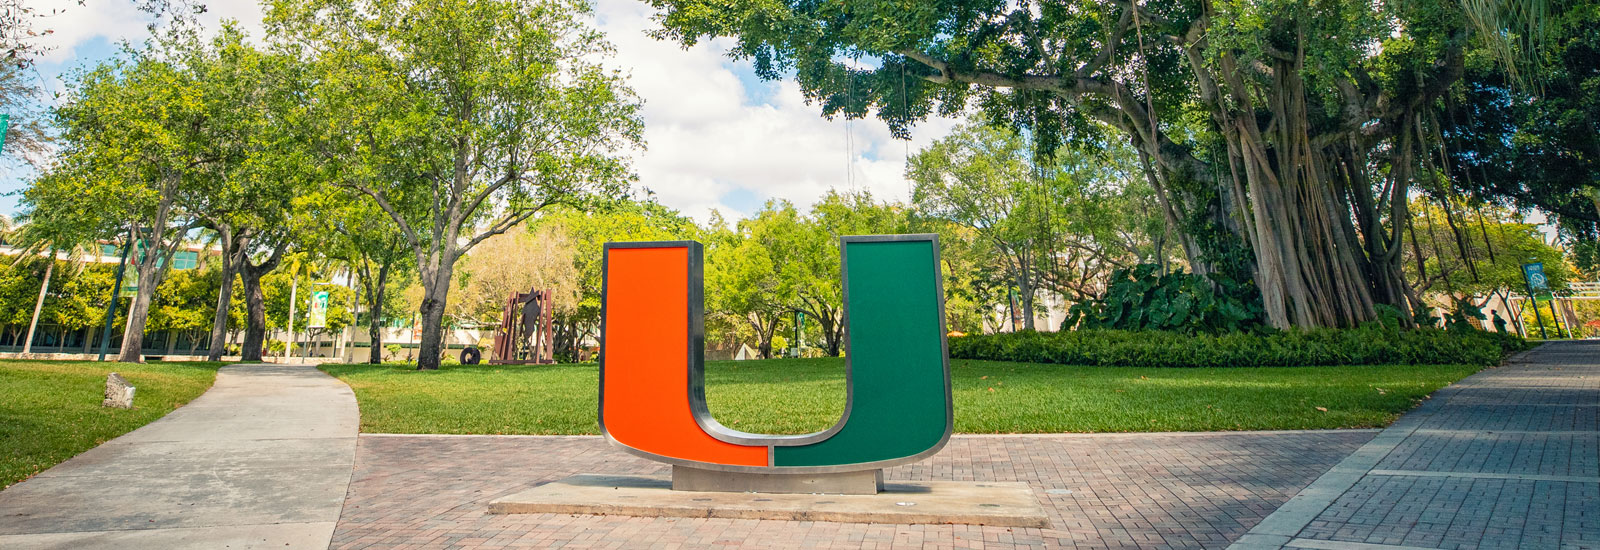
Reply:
x=262, y=460
x=1100, y=491
x=1506, y=458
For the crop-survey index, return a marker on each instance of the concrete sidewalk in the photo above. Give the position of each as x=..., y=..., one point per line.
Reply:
x=261, y=460
x=1506, y=458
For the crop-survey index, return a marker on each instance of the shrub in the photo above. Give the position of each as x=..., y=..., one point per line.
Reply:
x=1369, y=345
x=1143, y=299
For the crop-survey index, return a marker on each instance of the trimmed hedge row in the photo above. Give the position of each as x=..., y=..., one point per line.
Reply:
x=1371, y=345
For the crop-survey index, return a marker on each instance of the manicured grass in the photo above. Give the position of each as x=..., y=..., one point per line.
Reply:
x=50, y=410
x=803, y=395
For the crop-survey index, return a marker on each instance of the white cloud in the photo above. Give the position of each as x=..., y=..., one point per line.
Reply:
x=75, y=25
x=118, y=20
x=709, y=141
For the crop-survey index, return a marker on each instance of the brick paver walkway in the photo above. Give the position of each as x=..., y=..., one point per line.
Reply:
x=1506, y=458
x=1101, y=491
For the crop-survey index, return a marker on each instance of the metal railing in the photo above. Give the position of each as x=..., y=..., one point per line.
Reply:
x=1584, y=289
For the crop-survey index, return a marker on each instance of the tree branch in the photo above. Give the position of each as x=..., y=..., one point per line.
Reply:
x=394, y=214
x=505, y=224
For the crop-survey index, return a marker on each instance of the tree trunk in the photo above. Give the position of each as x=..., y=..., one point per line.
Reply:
x=1311, y=267
x=375, y=311
x=435, y=290
x=830, y=319
x=219, y=320
x=764, y=347
x=139, y=311
x=1025, y=293
x=565, y=340
x=255, y=330
x=831, y=335
x=49, y=268
x=764, y=333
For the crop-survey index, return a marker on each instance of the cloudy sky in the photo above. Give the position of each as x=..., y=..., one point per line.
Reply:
x=717, y=136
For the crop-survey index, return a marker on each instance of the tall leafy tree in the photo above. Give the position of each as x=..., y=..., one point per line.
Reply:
x=1531, y=139
x=982, y=177
x=1282, y=137
x=515, y=262
x=589, y=230
x=262, y=165
x=1459, y=254
x=970, y=293
x=142, y=136
x=750, y=277
x=460, y=118
x=18, y=286
x=812, y=259
x=80, y=302
x=183, y=305
x=299, y=283
x=355, y=231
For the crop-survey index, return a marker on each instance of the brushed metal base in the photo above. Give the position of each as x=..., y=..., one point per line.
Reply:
x=860, y=482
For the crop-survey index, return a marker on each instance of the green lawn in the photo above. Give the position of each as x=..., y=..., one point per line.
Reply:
x=50, y=410
x=803, y=395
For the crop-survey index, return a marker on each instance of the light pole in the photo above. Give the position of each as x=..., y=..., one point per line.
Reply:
x=294, y=287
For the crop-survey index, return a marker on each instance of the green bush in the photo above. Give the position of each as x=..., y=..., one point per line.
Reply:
x=1368, y=345
x=1142, y=298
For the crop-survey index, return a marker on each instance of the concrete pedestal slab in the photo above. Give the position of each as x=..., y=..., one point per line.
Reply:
x=1006, y=504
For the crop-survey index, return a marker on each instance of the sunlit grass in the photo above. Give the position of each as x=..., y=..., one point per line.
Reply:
x=50, y=410
x=804, y=395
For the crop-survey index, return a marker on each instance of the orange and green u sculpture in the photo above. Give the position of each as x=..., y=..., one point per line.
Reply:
x=652, y=393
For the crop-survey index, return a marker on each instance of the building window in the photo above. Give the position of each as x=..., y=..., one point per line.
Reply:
x=185, y=260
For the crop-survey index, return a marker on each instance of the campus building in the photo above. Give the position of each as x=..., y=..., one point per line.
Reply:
x=50, y=339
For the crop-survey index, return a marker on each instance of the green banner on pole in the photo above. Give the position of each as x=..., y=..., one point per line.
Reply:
x=1538, y=284
x=5, y=125
x=318, y=316
x=130, y=284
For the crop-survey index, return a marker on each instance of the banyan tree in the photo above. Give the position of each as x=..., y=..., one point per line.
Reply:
x=1284, y=137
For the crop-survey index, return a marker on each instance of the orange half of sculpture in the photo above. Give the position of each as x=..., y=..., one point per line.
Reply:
x=646, y=406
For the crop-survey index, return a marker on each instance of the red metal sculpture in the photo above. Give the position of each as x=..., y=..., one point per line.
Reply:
x=525, y=336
